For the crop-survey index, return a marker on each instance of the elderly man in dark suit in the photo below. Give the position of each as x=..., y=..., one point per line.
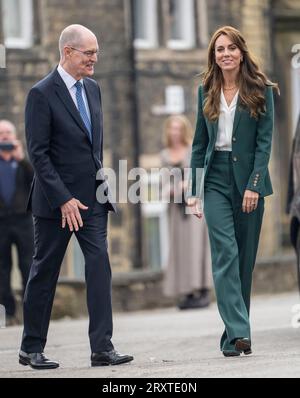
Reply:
x=64, y=132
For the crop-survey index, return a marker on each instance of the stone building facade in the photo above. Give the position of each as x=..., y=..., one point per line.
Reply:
x=147, y=70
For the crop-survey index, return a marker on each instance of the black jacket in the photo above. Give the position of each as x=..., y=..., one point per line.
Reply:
x=24, y=177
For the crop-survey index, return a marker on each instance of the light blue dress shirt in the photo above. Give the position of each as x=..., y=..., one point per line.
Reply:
x=70, y=83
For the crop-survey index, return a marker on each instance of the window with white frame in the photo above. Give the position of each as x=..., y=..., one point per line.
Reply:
x=182, y=24
x=17, y=23
x=145, y=23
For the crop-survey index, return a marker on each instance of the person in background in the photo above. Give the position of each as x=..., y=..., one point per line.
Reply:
x=15, y=223
x=293, y=195
x=188, y=274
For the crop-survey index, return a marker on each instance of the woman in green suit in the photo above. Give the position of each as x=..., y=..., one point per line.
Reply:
x=230, y=177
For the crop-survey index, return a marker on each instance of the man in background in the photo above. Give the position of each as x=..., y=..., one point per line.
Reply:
x=15, y=223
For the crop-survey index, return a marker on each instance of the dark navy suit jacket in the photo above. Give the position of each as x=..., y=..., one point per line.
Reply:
x=64, y=160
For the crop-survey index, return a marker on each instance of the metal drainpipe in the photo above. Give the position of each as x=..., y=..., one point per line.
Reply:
x=138, y=258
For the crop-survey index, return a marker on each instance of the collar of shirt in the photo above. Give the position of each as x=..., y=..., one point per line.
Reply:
x=70, y=84
x=233, y=102
x=67, y=78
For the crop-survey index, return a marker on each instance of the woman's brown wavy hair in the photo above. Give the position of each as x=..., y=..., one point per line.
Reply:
x=252, y=81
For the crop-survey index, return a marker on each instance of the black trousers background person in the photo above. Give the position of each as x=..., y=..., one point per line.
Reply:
x=14, y=230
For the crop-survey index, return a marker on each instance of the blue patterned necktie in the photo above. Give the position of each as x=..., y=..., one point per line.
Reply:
x=82, y=109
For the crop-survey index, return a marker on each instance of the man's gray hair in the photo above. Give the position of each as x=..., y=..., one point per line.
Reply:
x=11, y=126
x=71, y=36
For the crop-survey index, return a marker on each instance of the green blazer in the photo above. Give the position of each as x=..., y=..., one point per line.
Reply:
x=251, y=148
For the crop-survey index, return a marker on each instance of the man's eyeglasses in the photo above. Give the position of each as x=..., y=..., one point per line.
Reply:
x=89, y=54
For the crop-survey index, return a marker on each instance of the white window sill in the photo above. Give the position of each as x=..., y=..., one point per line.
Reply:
x=180, y=45
x=144, y=44
x=17, y=43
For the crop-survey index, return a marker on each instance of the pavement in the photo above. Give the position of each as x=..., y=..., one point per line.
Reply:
x=170, y=343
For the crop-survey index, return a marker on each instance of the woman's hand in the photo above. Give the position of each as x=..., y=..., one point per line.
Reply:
x=194, y=204
x=250, y=201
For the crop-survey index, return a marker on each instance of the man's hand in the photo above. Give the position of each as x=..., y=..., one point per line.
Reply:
x=194, y=203
x=18, y=153
x=250, y=201
x=71, y=215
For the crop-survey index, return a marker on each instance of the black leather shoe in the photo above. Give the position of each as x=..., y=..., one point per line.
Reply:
x=193, y=302
x=231, y=353
x=243, y=345
x=109, y=358
x=36, y=360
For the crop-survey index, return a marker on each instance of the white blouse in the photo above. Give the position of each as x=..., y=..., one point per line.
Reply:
x=225, y=125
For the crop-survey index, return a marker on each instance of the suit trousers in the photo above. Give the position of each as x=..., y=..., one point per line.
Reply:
x=51, y=242
x=234, y=237
x=16, y=229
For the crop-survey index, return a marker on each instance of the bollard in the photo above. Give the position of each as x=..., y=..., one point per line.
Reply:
x=2, y=56
x=2, y=317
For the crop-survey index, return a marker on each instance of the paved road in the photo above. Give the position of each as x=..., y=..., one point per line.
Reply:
x=171, y=343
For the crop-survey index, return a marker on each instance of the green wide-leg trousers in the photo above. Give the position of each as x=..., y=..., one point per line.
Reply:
x=234, y=238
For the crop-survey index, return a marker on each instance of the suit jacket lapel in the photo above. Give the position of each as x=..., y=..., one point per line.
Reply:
x=237, y=116
x=93, y=102
x=215, y=126
x=66, y=98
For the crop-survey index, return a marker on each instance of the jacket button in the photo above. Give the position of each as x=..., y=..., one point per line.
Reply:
x=233, y=139
x=235, y=159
